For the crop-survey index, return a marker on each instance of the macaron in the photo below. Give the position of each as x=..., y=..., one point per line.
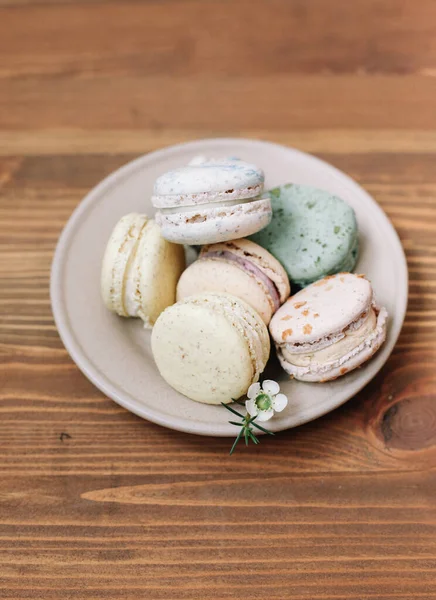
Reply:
x=140, y=269
x=329, y=328
x=241, y=268
x=312, y=233
x=211, y=200
x=210, y=347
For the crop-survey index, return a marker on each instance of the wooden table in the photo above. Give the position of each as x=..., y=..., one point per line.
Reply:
x=98, y=504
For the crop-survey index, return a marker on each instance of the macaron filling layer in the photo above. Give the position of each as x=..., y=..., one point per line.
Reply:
x=199, y=214
x=178, y=201
x=342, y=359
x=316, y=345
x=250, y=267
x=209, y=205
x=132, y=296
x=353, y=336
x=118, y=261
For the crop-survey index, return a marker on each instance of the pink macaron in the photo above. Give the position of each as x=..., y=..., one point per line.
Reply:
x=241, y=268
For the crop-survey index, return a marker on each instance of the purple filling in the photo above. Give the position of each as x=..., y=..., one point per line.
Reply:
x=247, y=265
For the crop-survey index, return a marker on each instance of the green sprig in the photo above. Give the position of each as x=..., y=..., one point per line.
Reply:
x=246, y=424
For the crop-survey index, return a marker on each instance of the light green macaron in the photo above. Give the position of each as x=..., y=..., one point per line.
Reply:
x=312, y=233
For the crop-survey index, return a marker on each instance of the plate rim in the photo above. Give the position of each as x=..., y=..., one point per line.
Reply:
x=125, y=399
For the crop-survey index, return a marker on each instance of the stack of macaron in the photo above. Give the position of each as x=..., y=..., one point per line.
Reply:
x=210, y=338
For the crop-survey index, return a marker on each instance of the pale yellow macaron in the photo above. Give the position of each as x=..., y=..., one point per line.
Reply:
x=140, y=269
x=210, y=347
x=241, y=268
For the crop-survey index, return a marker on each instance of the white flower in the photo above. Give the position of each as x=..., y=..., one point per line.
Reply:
x=264, y=400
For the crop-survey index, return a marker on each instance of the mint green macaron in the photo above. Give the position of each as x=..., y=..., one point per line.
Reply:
x=312, y=233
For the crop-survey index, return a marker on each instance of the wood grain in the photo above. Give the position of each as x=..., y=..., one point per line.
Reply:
x=96, y=503
x=140, y=141
x=206, y=37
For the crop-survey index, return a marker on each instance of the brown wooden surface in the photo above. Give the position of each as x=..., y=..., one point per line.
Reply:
x=94, y=502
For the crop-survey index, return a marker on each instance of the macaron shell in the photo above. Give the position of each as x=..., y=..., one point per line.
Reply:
x=209, y=275
x=312, y=233
x=189, y=345
x=211, y=177
x=207, y=350
x=261, y=258
x=347, y=363
x=219, y=224
x=159, y=264
x=321, y=309
x=244, y=318
x=119, y=251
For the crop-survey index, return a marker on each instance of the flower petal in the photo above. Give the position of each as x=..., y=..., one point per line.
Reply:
x=265, y=415
x=279, y=402
x=251, y=407
x=270, y=387
x=253, y=390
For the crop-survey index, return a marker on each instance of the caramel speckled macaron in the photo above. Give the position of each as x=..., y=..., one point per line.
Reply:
x=329, y=328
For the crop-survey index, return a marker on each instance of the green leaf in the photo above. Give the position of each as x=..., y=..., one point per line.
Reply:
x=245, y=424
x=263, y=429
x=235, y=412
x=238, y=437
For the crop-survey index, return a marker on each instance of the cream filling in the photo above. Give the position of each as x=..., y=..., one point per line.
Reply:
x=200, y=207
x=351, y=340
x=123, y=264
x=132, y=298
x=329, y=340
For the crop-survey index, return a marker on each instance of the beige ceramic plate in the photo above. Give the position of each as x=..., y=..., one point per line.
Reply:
x=114, y=353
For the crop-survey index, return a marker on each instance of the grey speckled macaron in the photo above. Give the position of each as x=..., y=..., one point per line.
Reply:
x=210, y=201
x=312, y=233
